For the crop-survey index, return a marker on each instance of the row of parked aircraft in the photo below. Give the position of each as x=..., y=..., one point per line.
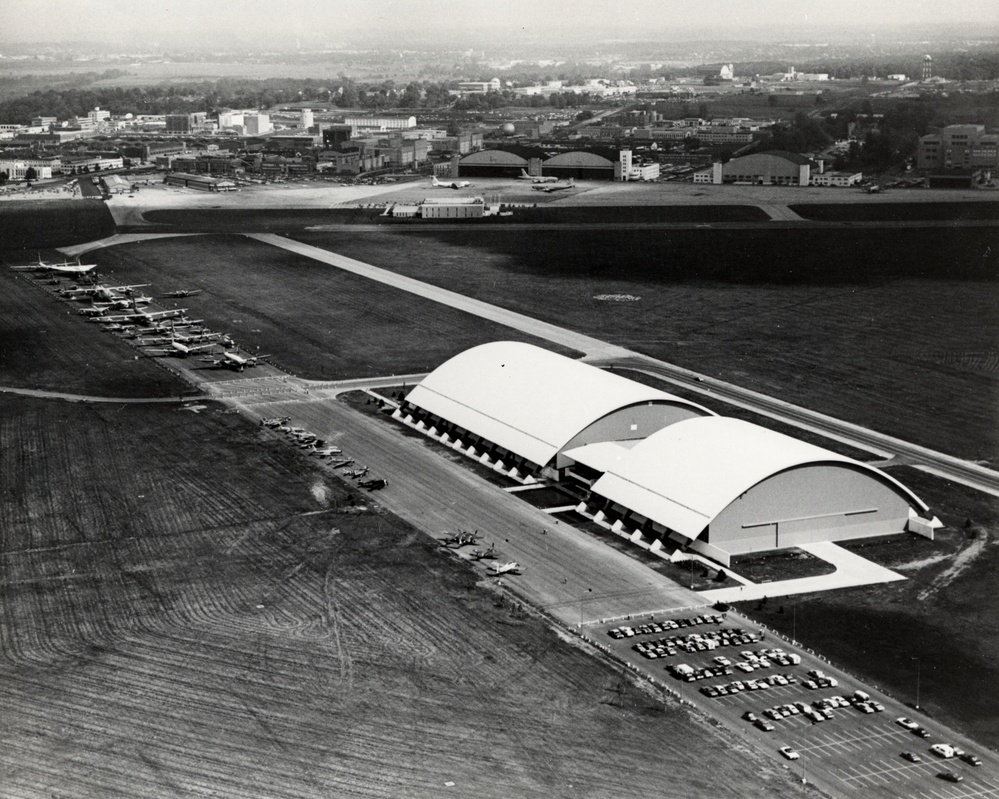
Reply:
x=183, y=337
x=65, y=267
x=314, y=445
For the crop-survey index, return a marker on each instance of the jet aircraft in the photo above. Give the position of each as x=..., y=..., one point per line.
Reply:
x=373, y=485
x=549, y=188
x=181, y=293
x=451, y=184
x=536, y=178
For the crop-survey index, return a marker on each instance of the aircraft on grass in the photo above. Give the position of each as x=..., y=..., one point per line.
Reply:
x=146, y=317
x=506, y=568
x=357, y=473
x=536, y=178
x=181, y=293
x=556, y=186
x=451, y=184
x=65, y=267
x=485, y=554
x=341, y=463
x=373, y=485
x=235, y=361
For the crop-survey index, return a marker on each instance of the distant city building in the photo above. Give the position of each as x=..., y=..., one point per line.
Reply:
x=959, y=147
x=257, y=124
x=98, y=115
x=381, y=123
x=927, y=67
x=898, y=76
x=73, y=164
x=306, y=119
x=17, y=168
x=475, y=87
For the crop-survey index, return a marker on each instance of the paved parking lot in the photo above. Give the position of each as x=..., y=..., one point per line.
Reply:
x=851, y=754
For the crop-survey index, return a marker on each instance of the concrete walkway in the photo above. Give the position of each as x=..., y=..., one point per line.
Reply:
x=117, y=238
x=33, y=392
x=851, y=570
x=780, y=213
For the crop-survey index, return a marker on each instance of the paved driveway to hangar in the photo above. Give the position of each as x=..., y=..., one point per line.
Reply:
x=565, y=572
x=852, y=754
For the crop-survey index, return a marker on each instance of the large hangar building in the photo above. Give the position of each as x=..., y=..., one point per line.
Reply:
x=658, y=469
x=724, y=487
x=519, y=407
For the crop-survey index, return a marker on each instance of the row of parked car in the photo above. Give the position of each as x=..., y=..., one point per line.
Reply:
x=653, y=628
x=695, y=642
x=738, y=686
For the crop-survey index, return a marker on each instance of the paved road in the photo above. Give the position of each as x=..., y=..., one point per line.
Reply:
x=31, y=392
x=566, y=572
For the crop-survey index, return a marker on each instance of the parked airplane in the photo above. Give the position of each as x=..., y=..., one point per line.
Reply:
x=180, y=350
x=340, y=464
x=233, y=360
x=65, y=267
x=487, y=554
x=357, y=473
x=556, y=186
x=327, y=452
x=459, y=540
x=536, y=178
x=101, y=292
x=181, y=293
x=373, y=485
x=506, y=568
x=452, y=184
x=146, y=317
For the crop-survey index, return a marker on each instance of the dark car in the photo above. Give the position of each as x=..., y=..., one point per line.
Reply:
x=912, y=757
x=950, y=776
x=971, y=760
x=922, y=732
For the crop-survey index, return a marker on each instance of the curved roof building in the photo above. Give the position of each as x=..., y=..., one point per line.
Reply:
x=491, y=163
x=774, y=167
x=529, y=403
x=579, y=164
x=727, y=487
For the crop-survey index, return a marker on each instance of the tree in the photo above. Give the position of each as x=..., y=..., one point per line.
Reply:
x=4, y=177
x=31, y=174
x=772, y=100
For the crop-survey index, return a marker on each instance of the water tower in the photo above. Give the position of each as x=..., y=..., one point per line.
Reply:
x=927, y=67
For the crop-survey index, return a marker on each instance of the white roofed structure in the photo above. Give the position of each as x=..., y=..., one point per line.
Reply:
x=725, y=486
x=527, y=404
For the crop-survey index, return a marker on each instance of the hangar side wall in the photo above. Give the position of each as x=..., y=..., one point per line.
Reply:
x=628, y=424
x=807, y=504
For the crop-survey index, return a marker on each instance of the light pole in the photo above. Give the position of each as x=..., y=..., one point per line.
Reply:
x=917, y=681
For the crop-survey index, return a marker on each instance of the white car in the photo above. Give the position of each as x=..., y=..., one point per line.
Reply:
x=789, y=753
x=942, y=750
x=909, y=724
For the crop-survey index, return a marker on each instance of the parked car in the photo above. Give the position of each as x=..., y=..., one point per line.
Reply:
x=789, y=753
x=912, y=757
x=971, y=760
x=950, y=776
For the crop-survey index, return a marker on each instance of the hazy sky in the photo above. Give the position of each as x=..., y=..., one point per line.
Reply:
x=53, y=20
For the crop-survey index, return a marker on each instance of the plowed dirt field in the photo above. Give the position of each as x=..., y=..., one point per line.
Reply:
x=189, y=607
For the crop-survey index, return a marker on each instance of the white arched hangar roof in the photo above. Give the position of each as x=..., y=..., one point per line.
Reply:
x=527, y=399
x=685, y=475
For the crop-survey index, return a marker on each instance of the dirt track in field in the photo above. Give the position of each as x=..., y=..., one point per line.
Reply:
x=188, y=607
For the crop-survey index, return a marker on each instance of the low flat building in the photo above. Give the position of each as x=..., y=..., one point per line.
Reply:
x=199, y=182
x=840, y=179
x=453, y=208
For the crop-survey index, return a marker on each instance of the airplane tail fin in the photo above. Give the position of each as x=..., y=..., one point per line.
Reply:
x=436, y=182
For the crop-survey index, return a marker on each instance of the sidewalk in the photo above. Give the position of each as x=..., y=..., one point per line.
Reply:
x=851, y=570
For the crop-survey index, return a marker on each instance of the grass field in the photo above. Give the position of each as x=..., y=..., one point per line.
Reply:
x=42, y=224
x=897, y=211
x=315, y=321
x=884, y=340
x=190, y=607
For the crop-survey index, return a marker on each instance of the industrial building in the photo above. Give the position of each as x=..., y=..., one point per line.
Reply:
x=654, y=467
x=453, y=208
x=521, y=406
x=492, y=164
x=200, y=182
x=959, y=147
x=772, y=168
